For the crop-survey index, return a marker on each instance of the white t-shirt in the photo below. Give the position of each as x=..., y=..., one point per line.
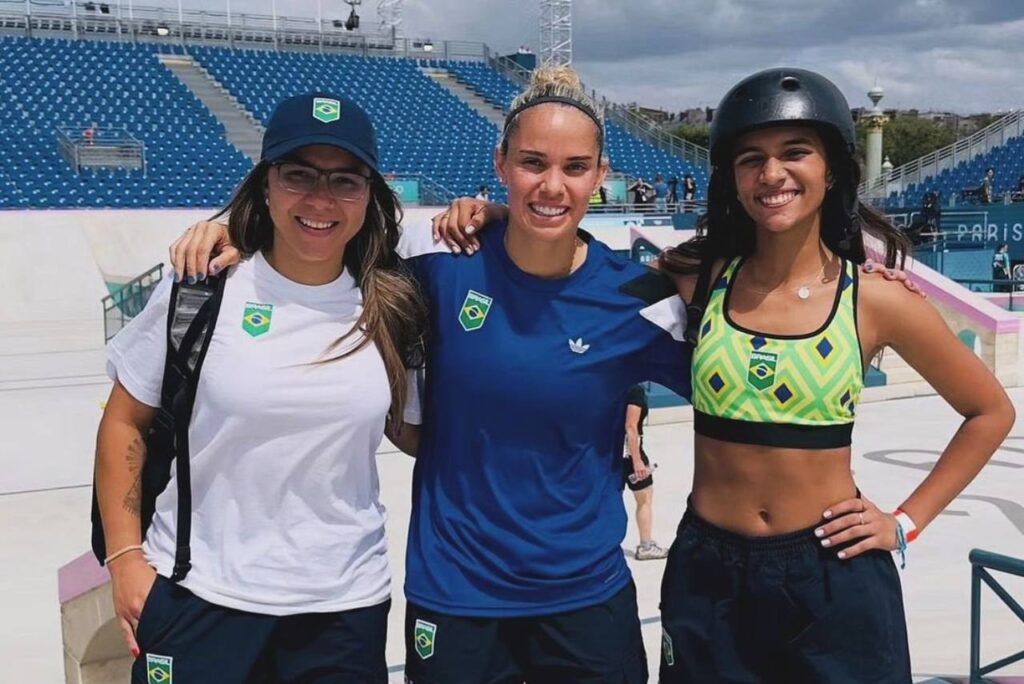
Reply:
x=285, y=510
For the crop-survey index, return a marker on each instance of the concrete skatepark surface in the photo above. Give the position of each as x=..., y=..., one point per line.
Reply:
x=52, y=384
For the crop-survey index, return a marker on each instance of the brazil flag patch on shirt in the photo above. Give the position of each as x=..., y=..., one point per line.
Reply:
x=256, y=319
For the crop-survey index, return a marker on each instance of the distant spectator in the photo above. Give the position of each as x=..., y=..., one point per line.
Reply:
x=689, y=188
x=1001, y=267
x=484, y=194
x=638, y=471
x=986, y=190
x=89, y=134
x=926, y=224
x=673, y=190
x=1018, y=195
x=599, y=196
x=639, y=188
x=660, y=193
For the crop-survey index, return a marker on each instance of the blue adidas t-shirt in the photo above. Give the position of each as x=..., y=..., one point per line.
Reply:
x=517, y=490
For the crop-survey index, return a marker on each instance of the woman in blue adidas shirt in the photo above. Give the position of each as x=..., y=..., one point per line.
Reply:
x=304, y=369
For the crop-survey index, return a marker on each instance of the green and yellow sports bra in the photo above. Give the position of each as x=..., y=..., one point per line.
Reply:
x=797, y=391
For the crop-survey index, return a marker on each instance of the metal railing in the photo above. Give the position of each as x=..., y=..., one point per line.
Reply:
x=981, y=563
x=432, y=193
x=1014, y=288
x=184, y=26
x=932, y=164
x=92, y=147
x=684, y=207
x=639, y=126
x=651, y=132
x=123, y=305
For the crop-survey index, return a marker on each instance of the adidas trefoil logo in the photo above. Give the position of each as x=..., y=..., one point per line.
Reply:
x=578, y=346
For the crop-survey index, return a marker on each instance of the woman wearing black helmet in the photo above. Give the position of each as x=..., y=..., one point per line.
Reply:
x=781, y=571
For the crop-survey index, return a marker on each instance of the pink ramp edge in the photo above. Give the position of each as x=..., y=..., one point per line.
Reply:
x=79, y=576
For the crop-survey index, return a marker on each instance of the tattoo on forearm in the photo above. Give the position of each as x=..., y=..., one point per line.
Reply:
x=135, y=457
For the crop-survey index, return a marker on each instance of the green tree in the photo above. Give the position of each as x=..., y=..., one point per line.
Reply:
x=906, y=138
x=698, y=135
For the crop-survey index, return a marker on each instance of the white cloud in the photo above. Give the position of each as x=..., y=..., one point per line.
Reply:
x=958, y=55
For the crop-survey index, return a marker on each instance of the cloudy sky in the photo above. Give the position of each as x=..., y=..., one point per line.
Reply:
x=955, y=55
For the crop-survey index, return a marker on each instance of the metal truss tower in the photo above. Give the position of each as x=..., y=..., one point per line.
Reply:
x=555, y=32
x=390, y=13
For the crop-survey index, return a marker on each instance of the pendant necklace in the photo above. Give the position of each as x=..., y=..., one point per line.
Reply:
x=803, y=292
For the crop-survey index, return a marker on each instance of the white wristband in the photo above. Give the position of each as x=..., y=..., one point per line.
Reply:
x=909, y=528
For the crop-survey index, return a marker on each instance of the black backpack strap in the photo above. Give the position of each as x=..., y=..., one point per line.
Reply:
x=699, y=301
x=186, y=361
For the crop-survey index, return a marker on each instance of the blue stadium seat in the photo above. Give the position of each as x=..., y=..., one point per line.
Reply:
x=422, y=128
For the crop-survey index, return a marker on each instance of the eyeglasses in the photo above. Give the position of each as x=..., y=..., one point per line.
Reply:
x=345, y=186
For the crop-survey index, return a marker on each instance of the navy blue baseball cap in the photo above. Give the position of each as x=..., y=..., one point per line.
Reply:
x=320, y=119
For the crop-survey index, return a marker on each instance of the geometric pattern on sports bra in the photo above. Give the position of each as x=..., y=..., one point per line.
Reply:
x=811, y=379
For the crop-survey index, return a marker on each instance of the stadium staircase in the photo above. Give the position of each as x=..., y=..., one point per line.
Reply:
x=474, y=101
x=241, y=129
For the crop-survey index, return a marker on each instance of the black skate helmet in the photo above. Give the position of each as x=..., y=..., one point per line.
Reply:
x=777, y=97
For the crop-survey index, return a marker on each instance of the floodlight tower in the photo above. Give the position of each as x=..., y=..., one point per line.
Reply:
x=555, y=32
x=390, y=13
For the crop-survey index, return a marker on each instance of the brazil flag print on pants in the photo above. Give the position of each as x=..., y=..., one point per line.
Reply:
x=423, y=636
x=158, y=669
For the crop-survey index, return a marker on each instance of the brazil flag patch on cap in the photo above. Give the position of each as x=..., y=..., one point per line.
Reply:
x=326, y=109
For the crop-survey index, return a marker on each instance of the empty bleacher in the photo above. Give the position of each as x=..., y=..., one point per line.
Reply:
x=1007, y=160
x=423, y=129
x=51, y=83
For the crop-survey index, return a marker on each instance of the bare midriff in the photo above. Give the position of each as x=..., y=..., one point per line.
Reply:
x=762, y=491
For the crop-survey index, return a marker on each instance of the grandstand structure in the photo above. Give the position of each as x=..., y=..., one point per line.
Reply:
x=190, y=100
x=955, y=171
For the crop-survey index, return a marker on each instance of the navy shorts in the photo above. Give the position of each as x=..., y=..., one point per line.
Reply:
x=778, y=610
x=600, y=644
x=186, y=639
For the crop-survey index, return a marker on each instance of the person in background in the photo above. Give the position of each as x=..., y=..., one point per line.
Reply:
x=484, y=194
x=639, y=474
x=639, y=188
x=673, y=190
x=689, y=191
x=986, y=191
x=1001, y=267
x=660, y=193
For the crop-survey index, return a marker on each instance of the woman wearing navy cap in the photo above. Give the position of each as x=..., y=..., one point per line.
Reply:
x=305, y=371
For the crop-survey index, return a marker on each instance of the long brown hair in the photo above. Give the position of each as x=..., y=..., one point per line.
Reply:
x=727, y=231
x=394, y=315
